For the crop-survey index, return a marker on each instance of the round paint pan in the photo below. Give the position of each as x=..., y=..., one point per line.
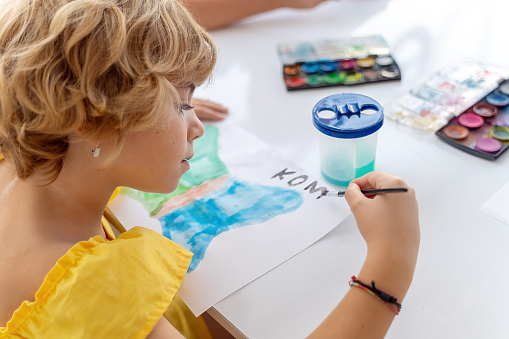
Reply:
x=497, y=99
x=500, y=133
x=294, y=82
x=384, y=60
x=310, y=67
x=347, y=64
x=456, y=132
x=334, y=78
x=504, y=88
x=314, y=80
x=389, y=72
x=471, y=120
x=485, y=110
x=291, y=70
x=328, y=66
x=353, y=78
x=370, y=74
x=488, y=145
x=366, y=62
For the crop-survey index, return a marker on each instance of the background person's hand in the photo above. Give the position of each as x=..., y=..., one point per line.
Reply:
x=207, y=110
x=300, y=3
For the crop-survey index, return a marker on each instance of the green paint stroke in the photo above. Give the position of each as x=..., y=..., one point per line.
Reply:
x=205, y=165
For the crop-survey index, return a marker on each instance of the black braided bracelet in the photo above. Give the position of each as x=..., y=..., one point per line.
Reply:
x=380, y=294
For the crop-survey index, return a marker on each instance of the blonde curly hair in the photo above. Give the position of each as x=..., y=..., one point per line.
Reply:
x=103, y=67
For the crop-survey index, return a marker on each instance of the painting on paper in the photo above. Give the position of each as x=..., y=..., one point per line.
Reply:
x=242, y=209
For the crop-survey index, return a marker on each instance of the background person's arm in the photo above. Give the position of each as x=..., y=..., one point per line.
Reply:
x=218, y=13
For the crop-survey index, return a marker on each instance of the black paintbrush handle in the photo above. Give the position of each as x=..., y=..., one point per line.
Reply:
x=377, y=191
x=385, y=190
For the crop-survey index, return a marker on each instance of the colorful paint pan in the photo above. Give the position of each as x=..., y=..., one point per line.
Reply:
x=500, y=133
x=334, y=78
x=314, y=80
x=366, y=62
x=353, y=78
x=347, y=64
x=485, y=110
x=294, y=82
x=471, y=120
x=310, y=67
x=488, y=145
x=291, y=70
x=370, y=74
x=456, y=132
x=328, y=66
x=384, y=60
x=390, y=72
x=497, y=99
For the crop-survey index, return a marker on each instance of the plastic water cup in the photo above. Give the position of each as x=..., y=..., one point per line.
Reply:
x=348, y=127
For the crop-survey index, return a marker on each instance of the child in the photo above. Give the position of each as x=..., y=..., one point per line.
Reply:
x=95, y=94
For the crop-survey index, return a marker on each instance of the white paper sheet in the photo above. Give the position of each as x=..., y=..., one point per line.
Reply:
x=497, y=206
x=263, y=237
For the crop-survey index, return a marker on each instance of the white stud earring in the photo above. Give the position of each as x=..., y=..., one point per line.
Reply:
x=96, y=150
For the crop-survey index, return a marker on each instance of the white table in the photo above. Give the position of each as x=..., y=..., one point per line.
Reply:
x=459, y=288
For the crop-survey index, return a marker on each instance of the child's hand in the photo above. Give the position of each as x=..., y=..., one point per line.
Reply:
x=208, y=110
x=389, y=222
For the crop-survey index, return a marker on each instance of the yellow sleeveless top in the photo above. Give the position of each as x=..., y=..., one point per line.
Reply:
x=110, y=288
x=105, y=288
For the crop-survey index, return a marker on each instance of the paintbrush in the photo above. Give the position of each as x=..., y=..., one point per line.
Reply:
x=368, y=192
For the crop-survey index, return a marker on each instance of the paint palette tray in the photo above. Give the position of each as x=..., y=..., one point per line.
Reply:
x=445, y=94
x=337, y=62
x=483, y=129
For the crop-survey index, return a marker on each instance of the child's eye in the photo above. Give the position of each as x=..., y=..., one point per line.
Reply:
x=186, y=107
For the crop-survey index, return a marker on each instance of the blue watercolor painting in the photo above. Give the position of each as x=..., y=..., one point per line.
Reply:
x=236, y=204
x=210, y=200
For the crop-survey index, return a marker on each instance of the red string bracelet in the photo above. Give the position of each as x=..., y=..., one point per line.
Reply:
x=388, y=300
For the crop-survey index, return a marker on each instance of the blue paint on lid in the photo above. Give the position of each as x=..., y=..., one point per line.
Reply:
x=310, y=67
x=497, y=99
x=354, y=116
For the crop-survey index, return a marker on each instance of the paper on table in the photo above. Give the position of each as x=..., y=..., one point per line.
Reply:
x=496, y=207
x=253, y=213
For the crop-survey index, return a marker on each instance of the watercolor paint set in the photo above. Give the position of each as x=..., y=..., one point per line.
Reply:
x=337, y=62
x=482, y=129
x=445, y=94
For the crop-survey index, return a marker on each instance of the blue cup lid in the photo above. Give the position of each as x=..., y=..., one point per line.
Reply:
x=348, y=116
